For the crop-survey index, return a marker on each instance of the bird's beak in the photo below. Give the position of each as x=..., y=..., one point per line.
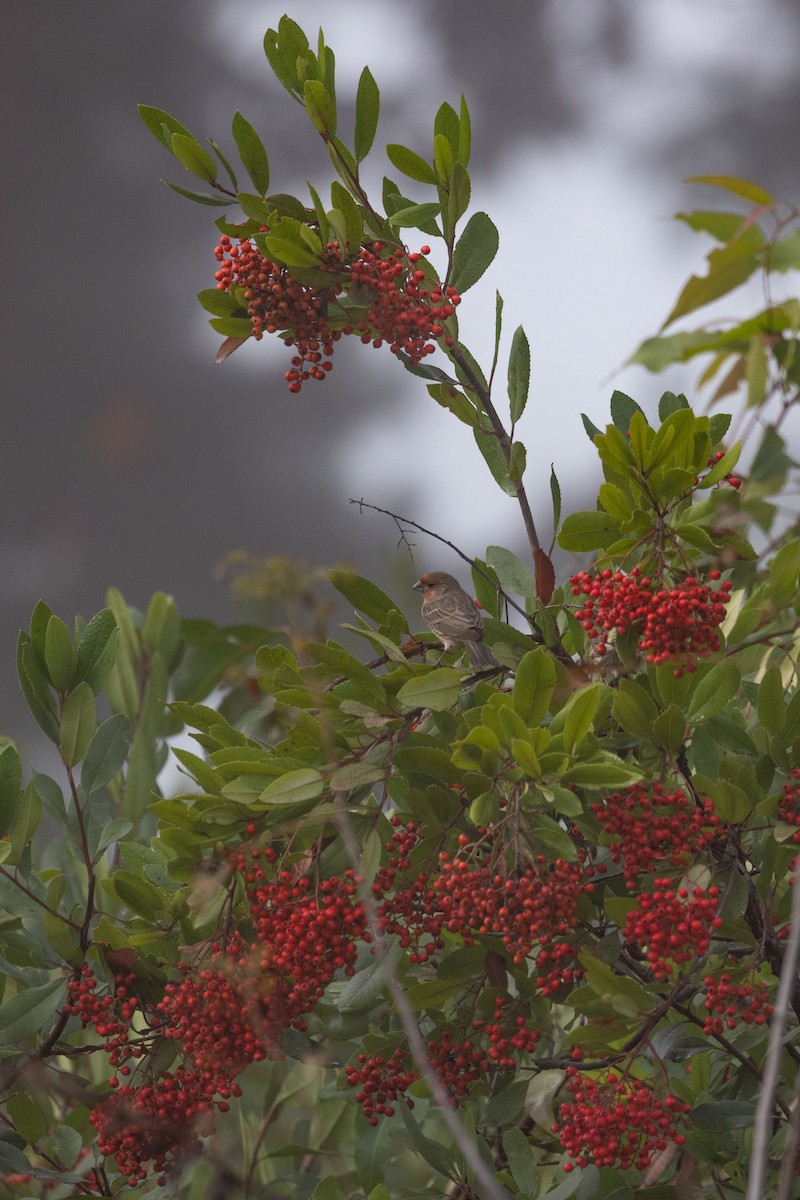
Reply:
x=418, y=586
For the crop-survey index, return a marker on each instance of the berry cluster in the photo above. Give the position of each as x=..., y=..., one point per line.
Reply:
x=156, y=1122
x=401, y=309
x=616, y=1121
x=651, y=826
x=459, y=1059
x=673, y=927
x=677, y=624
x=531, y=909
x=789, y=804
x=727, y=1003
x=111, y=1015
x=277, y=302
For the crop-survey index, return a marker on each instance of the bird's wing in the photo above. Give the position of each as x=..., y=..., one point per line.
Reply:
x=456, y=614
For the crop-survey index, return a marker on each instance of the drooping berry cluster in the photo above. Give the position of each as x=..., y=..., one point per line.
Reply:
x=652, y=826
x=672, y=927
x=459, y=1059
x=677, y=624
x=111, y=1015
x=531, y=908
x=616, y=1121
x=728, y=1003
x=402, y=309
x=278, y=303
x=789, y=804
x=156, y=1122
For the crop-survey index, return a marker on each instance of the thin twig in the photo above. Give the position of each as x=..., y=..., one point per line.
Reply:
x=766, y=1101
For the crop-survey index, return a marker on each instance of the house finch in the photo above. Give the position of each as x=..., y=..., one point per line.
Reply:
x=452, y=615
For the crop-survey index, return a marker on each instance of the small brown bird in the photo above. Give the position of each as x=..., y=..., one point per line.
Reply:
x=452, y=615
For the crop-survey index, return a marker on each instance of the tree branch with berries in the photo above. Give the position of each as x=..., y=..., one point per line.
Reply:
x=404, y=927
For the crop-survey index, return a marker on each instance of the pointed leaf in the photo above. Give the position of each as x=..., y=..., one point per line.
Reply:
x=294, y=786
x=161, y=124
x=10, y=786
x=30, y=1011
x=411, y=164
x=194, y=157
x=321, y=107
x=252, y=153
x=107, y=752
x=519, y=373
x=738, y=187
x=59, y=654
x=474, y=252
x=78, y=723
x=368, y=105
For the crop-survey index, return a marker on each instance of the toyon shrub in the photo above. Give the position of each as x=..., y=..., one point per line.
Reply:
x=408, y=927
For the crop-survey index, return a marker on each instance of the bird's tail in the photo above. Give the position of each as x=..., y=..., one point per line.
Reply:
x=480, y=654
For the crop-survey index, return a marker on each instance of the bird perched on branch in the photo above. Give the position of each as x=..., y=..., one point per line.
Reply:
x=452, y=615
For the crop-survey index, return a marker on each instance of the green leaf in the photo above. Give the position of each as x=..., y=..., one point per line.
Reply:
x=519, y=373
x=771, y=702
x=728, y=267
x=521, y=1161
x=493, y=456
x=30, y=1011
x=738, y=187
x=10, y=786
x=622, y=410
x=233, y=327
x=365, y=596
x=283, y=50
x=474, y=252
x=368, y=106
x=219, y=303
x=252, y=153
x=512, y=573
x=578, y=713
x=78, y=723
x=97, y=650
x=351, y=214
x=588, y=531
x=784, y=255
x=459, y=193
x=464, y=133
x=210, y=198
x=713, y=691
x=669, y=729
x=194, y=157
x=534, y=684
x=438, y=690
x=59, y=655
x=723, y=467
x=106, y=754
x=291, y=254
x=519, y=460
x=321, y=107
x=138, y=894
x=455, y=401
x=410, y=164
x=161, y=124
x=416, y=216
x=723, y=1115
x=555, y=495
x=294, y=786
x=35, y=687
x=634, y=709
x=603, y=770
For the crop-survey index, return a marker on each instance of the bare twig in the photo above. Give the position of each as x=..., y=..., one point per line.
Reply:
x=766, y=1101
x=401, y=521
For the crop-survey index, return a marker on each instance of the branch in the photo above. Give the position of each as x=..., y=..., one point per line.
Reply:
x=400, y=521
x=504, y=441
x=763, y=1123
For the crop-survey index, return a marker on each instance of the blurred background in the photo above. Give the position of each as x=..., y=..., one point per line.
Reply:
x=129, y=458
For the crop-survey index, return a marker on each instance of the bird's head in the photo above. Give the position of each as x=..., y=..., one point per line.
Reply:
x=433, y=580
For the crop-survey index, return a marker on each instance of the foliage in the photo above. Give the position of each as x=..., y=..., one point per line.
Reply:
x=411, y=928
